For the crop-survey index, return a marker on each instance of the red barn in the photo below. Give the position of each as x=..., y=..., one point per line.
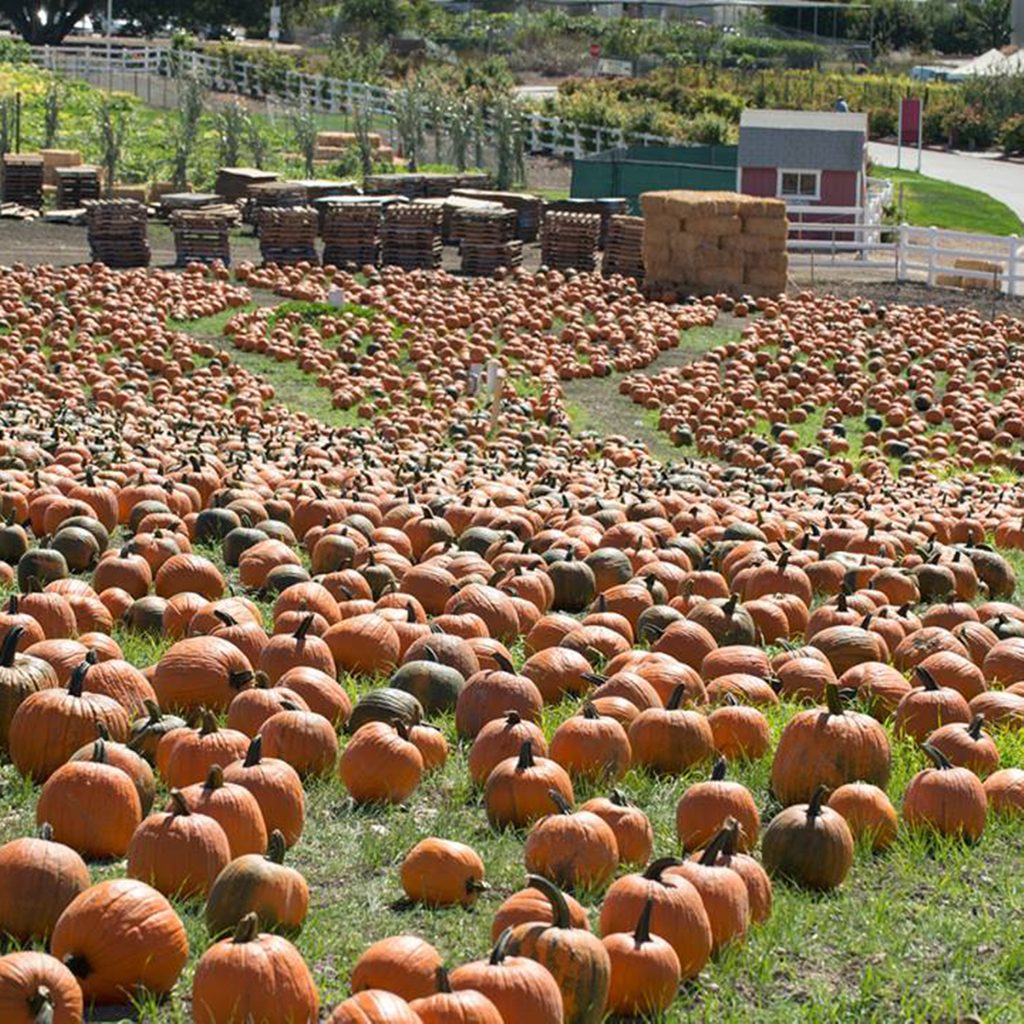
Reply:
x=808, y=158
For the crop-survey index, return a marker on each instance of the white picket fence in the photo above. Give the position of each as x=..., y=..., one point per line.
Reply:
x=319, y=93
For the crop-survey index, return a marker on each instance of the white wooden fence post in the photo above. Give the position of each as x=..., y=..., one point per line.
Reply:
x=1013, y=266
x=933, y=234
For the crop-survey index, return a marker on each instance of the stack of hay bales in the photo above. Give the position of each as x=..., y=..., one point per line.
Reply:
x=715, y=242
x=53, y=159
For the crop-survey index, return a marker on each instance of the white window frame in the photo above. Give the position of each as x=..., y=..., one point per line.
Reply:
x=799, y=198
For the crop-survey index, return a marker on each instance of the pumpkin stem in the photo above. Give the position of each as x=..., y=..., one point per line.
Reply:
x=832, y=699
x=939, y=759
x=261, y=681
x=155, y=714
x=276, y=847
x=642, y=934
x=247, y=930
x=589, y=711
x=178, y=804
x=40, y=1006
x=594, y=678
x=224, y=617
x=76, y=684
x=209, y=723
x=78, y=965
x=503, y=663
x=10, y=646
x=512, y=718
x=214, y=778
x=444, y=985
x=525, y=756
x=925, y=678
x=974, y=729
x=303, y=628
x=563, y=805
x=554, y=895
x=240, y=680
x=500, y=950
x=657, y=868
x=677, y=698
x=730, y=605
x=99, y=751
x=718, y=772
x=254, y=754
x=814, y=807
x=619, y=798
x=726, y=836
x=45, y=832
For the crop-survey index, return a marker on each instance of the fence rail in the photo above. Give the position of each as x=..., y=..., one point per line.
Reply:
x=322, y=94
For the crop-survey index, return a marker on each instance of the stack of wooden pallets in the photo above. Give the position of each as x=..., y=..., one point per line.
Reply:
x=487, y=240
x=23, y=179
x=412, y=186
x=288, y=234
x=273, y=195
x=351, y=233
x=233, y=183
x=624, y=247
x=570, y=240
x=411, y=236
x=528, y=208
x=200, y=236
x=75, y=185
x=118, y=232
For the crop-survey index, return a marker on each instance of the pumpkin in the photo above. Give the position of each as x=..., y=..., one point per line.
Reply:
x=950, y=800
x=403, y=964
x=574, y=849
x=321, y=692
x=1004, y=790
x=300, y=648
x=634, y=834
x=809, y=844
x=276, y=787
x=303, y=739
x=441, y=872
x=435, y=686
x=191, y=753
x=380, y=764
x=253, y=976
x=51, y=724
x=869, y=813
x=39, y=877
x=20, y=676
x=385, y=705
x=755, y=878
x=177, y=852
x=448, y=1007
x=557, y=672
x=373, y=1006
x=491, y=694
x=678, y=913
x=531, y=904
x=145, y=733
x=201, y=672
x=261, y=884
x=645, y=970
x=740, y=732
x=575, y=958
x=120, y=756
x=705, y=806
x=233, y=807
x=521, y=989
x=671, y=740
x=38, y=989
x=722, y=890
x=250, y=709
x=502, y=738
x=118, y=937
x=573, y=582
x=967, y=746
x=928, y=706
x=92, y=806
x=518, y=789
x=828, y=746
x=591, y=747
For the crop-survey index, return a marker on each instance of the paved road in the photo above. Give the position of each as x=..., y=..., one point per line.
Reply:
x=1001, y=179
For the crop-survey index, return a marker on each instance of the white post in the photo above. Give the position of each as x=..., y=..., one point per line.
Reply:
x=1013, y=266
x=920, y=135
x=901, y=242
x=110, y=45
x=933, y=233
x=899, y=138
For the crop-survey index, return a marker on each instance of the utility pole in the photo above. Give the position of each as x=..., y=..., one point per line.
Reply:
x=110, y=50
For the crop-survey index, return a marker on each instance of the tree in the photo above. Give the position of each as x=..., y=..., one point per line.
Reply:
x=371, y=19
x=990, y=19
x=62, y=17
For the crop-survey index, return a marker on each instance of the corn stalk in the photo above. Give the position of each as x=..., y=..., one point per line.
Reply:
x=409, y=117
x=232, y=128
x=113, y=121
x=186, y=130
x=304, y=131
x=361, y=128
x=51, y=113
x=509, y=142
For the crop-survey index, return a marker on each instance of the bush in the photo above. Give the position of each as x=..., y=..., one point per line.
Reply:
x=934, y=127
x=709, y=130
x=1011, y=135
x=970, y=128
x=883, y=123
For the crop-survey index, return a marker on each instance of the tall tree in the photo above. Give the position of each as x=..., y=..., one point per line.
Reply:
x=62, y=16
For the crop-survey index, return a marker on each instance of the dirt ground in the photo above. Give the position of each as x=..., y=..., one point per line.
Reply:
x=35, y=242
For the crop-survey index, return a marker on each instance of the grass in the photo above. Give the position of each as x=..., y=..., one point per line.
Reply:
x=928, y=202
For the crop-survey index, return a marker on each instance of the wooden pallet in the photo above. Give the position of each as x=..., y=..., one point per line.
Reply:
x=411, y=236
x=23, y=179
x=624, y=247
x=118, y=232
x=570, y=241
x=75, y=185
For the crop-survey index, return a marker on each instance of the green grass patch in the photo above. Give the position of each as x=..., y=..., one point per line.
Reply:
x=928, y=202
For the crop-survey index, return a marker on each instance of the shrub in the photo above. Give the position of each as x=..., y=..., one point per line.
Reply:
x=709, y=130
x=882, y=123
x=1011, y=135
x=970, y=128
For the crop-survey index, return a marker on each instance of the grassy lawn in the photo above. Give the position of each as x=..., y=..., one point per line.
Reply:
x=928, y=202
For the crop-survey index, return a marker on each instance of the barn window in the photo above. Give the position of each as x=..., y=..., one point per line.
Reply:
x=799, y=185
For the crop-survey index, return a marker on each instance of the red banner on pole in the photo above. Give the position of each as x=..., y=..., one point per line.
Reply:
x=910, y=121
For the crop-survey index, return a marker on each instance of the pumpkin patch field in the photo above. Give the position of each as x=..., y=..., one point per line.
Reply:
x=344, y=676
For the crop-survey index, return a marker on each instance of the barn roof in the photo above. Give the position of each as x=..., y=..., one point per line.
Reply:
x=804, y=139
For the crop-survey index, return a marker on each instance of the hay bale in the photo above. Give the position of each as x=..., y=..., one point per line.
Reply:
x=758, y=206
x=993, y=271
x=714, y=227
x=136, y=192
x=54, y=158
x=767, y=227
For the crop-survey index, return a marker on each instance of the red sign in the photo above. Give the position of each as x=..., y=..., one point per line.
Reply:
x=910, y=121
x=595, y=50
